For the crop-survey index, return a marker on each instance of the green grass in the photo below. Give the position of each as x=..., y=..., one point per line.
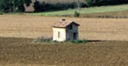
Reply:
x=83, y=10
x=46, y=40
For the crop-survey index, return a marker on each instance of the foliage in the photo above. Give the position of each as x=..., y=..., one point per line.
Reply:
x=5, y=5
x=47, y=6
x=20, y=4
x=89, y=3
x=70, y=12
x=49, y=40
x=105, y=2
x=1, y=12
x=76, y=14
x=37, y=6
x=43, y=7
x=11, y=5
x=43, y=39
x=76, y=41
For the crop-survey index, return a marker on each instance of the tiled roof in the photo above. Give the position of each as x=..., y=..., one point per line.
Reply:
x=63, y=24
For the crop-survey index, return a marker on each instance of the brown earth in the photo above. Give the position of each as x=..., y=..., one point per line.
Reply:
x=23, y=52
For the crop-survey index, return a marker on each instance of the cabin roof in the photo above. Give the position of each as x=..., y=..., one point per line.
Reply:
x=64, y=23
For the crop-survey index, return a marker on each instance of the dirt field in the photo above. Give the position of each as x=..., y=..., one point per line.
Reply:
x=38, y=26
x=22, y=52
x=19, y=49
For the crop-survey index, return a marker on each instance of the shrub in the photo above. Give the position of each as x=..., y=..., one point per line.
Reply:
x=76, y=41
x=79, y=41
x=43, y=39
x=50, y=41
x=76, y=14
x=1, y=12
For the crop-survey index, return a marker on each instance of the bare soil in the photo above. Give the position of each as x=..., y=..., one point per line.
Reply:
x=20, y=50
x=23, y=52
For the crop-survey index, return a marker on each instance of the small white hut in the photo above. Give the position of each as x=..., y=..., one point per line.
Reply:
x=65, y=30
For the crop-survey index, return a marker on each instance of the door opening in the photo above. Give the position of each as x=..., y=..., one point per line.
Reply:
x=74, y=36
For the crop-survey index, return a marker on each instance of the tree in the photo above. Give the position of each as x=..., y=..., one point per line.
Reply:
x=89, y=2
x=6, y=5
x=11, y=5
x=79, y=5
x=37, y=6
x=104, y=2
x=20, y=4
x=93, y=2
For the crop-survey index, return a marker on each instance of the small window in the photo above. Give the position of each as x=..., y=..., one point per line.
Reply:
x=58, y=34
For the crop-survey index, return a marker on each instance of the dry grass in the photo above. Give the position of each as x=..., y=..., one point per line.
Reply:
x=37, y=26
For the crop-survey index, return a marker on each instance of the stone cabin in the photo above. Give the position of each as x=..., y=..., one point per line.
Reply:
x=65, y=30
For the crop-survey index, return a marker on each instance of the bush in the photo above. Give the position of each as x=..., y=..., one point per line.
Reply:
x=1, y=12
x=43, y=39
x=50, y=41
x=76, y=14
x=76, y=41
x=79, y=41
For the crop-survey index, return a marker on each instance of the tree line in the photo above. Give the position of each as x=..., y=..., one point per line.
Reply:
x=14, y=5
x=44, y=6
x=91, y=3
x=40, y=7
x=18, y=5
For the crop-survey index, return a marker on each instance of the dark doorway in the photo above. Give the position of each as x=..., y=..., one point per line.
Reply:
x=74, y=36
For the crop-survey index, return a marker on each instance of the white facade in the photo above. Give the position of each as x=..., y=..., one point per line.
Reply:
x=59, y=34
x=70, y=32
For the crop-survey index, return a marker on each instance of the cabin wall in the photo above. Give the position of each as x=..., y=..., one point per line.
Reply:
x=59, y=34
x=72, y=34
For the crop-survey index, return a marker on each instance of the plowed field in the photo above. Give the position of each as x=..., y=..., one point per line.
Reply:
x=20, y=50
